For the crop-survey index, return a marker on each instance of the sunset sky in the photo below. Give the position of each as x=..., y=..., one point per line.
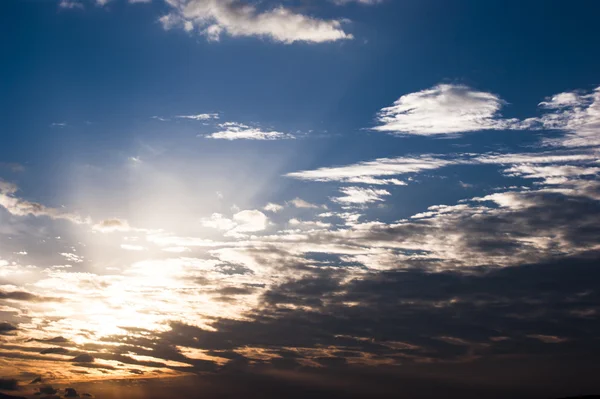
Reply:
x=337, y=197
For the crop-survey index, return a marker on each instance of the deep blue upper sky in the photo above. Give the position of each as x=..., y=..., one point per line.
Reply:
x=104, y=71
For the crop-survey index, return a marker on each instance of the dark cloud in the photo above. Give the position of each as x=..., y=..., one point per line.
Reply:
x=6, y=396
x=19, y=296
x=83, y=358
x=7, y=328
x=26, y=297
x=57, y=350
x=9, y=384
x=36, y=380
x=55, y=340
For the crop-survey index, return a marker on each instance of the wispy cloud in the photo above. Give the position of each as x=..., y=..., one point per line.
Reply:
x=369, y=171
x=199, y=117
x=70, y=4
x=359, y=195
x=240, y=131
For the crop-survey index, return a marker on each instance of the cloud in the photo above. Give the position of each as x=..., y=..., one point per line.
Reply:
x=271, y=207
x=7, y=328
x=72, y=257
x=249, y=221
x=21, y=296
x=369, y=170
x=577, y=113
x=20, y=207
x=213, y=18
x=218, y=221
x=9, y=384
x=246, y=221
x=362, y=2
x=111, y=225
x=129, y=247
x=358, y=195
x=445, y=109
x=239, y=131
x=199, y=117
x=70, y=4
x=300, y=203
x=83, y=358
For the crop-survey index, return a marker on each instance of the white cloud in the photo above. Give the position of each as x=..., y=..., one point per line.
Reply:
x=20, y=207
x=578, y=114
x=239, y=131
x=129, y=247
x=359, y=195
x=218, y=221
x=235, y=18
x=445, y=109
x=72, y=257
x=271, y=207
x=249, y=221
x=199, y=117
x=300, y=203
x=371, y=169
x=246, y=221
x=111, y=225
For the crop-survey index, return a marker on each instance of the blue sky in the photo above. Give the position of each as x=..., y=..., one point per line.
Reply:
x=196, y=167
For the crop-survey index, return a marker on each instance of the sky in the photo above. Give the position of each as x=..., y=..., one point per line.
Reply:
x=292, y=198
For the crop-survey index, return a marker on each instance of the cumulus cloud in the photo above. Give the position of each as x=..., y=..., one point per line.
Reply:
x=235, y=18
x=239, y=131
x=445, y=109
x=218, y=221
x=249, y=221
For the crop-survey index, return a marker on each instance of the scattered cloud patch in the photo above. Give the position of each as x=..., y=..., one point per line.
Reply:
x=445, y=109
x=214, y=18
x=239, y=131
x=111, y=225
x=271, y=207
x=199, y=117
x=359, y=195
